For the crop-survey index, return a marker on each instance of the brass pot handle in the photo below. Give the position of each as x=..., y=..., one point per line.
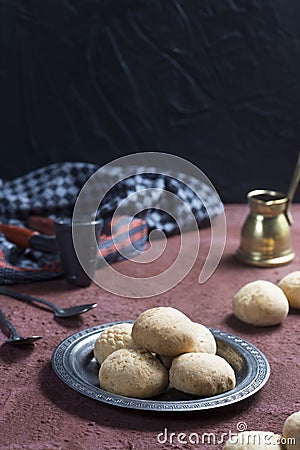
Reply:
x=292, y=189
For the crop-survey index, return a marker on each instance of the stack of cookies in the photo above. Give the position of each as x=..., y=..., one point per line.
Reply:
x=162, y=346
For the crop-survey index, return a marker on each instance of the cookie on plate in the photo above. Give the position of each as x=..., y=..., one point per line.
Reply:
x=202, y=374
x=133, y=373
x=113, y=338
x=165, y=331
x=204, y=342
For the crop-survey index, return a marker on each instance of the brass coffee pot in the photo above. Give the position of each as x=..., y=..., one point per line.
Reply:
x=265, y=235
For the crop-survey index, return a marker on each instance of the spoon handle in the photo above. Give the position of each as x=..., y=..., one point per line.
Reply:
x=24, y=297
x=292, y=189
x=8, y=325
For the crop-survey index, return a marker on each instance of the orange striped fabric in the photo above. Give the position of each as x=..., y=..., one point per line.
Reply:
x=121, y=236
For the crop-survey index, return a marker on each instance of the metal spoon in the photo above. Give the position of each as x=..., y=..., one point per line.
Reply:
x=14, y=337
x=58, y=312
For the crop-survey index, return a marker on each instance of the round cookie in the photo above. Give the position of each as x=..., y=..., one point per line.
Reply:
x=113, y=338
x=260, y=303
x=254, y=440
x=291, y=430
x=133, y=373
x=165, y=331
x=202, y=374
x=290, y=285
x=204, y=342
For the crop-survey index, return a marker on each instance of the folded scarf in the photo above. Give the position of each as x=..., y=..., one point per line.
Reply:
x=51, y=191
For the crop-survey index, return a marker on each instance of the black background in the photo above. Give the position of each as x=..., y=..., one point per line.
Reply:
x=216, y=82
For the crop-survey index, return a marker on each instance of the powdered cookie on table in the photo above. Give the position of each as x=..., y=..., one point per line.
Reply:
x=260, y=303
x=290, y=285
x=291, y=431
x=202, y=374
x=133, y=373
x=165, y=331
x=113, y=338
x=254, y=440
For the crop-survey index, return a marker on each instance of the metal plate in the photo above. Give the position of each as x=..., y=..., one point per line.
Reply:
x=74, y=363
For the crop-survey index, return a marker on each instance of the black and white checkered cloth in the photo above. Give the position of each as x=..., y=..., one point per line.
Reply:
x=52, y=191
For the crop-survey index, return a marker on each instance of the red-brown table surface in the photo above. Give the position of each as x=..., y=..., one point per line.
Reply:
x=38, y=411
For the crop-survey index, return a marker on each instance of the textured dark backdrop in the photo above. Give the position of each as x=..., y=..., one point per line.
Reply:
x=217, y=82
